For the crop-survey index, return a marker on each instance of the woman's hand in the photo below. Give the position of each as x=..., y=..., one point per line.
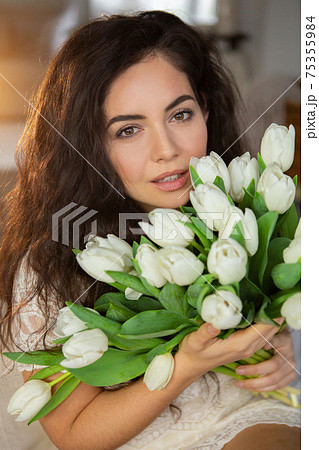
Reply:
x=277, y=372
x=202, y=351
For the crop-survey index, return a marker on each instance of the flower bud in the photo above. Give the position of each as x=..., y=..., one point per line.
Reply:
x=84, y=348
x=178, y=265
x=242, y=170
x=159, y=372
x=278, y=145
x=291, y=310
x=227, y=259
x=209, y=202
x=103, y=254
x=68, y=323
x=209, y=167
x=166, y=228
x=222, y=309
x=276, y=188
x=145, y=257
x=231, y=216
x=29, y=399
x=292, y=253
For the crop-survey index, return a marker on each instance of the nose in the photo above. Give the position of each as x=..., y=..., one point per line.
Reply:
x=164, y=147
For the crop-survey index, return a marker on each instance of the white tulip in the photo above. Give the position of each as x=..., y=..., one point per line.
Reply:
x=145, y=257
x=209, y=167
x=222, y=309
x=291, y=310
x=227, y=259
x=278, y=145
x=292, y=253
x=166, y=229
x=29, y=399
x=178, y=265
x=232, y=215
x=102, y=254
x=68, y=323
x=159, y=372
x=130, y=293
x=84, y=348
x=242, y=170
x=298, y=230
x=209, y=202
x=276, y=188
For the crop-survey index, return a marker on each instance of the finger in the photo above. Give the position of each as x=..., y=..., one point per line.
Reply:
x=280, y=384
x=270, y=380
x=262, y=368
x=204, y=336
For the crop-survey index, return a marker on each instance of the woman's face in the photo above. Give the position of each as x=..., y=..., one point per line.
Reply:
x=154, y=126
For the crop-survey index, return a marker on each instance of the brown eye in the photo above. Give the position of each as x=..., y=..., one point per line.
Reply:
x=180, y=116
x=128, y=131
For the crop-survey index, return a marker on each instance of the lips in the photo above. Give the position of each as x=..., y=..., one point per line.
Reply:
x=168, y=174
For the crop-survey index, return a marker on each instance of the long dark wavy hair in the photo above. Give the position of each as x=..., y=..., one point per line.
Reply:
x=68, y=122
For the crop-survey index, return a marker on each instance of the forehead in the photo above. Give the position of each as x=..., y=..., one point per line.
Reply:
x=152, y=82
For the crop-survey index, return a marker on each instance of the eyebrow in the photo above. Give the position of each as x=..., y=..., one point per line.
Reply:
x=122, y=118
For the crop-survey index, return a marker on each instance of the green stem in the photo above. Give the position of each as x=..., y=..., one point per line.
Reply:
x=265, y=354
x=230, y=372
x=250, y=360
x=57, y=380
x=198, y=246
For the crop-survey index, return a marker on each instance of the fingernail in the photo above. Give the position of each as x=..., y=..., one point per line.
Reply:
x=240, y=370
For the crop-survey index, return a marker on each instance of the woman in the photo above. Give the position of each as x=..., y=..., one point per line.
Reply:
x=131, y=99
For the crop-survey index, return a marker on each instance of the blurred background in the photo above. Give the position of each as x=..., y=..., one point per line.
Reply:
x=260, y=41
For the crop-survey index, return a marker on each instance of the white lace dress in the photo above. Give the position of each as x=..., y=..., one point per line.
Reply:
x=208, y=420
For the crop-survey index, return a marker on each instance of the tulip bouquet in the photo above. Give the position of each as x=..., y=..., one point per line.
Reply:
x=231, y=259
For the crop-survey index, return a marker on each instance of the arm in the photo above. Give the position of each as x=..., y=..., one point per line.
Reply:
x=92, y=418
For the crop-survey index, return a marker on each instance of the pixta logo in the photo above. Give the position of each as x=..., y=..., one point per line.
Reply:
x=64, y=222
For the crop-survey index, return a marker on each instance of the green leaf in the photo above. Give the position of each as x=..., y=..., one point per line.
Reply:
x=286, y=276
x=115, y=366
x=145, y=240
x=224, y=334
x=273, y=310
x=195, y=177
x=295, y=180
x=135, y=247
x=128, y=280
x=118, y=286
x=248, y=313
x=119, y=312
x=198, y=233
x=103, y=302
x=171, y=297
x=47, y=372
x=275, y=250
x=196, y=294
x=251, y=293
x=152, y=323
x=258, y=262
x=76, y=251
x=61, y=341
x=219, y=182
x=247, y=200
x=258, y=205
x=189, y=210
x=261, y=315
x=231, y=201
x=238, y=234
x=65, y=389
x=38, y=357
x=205, y=231
x=206, y=278
x=110, y=328
x=261, y=164
x=287, y=223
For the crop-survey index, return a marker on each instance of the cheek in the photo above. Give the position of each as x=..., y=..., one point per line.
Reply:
x=129, y=167
x=197, y=144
